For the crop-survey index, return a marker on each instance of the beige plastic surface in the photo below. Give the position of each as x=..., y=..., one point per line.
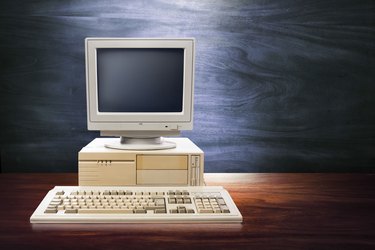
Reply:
x=162, y=162
x=162, y=177
x=109, y=173
x=91, y=154
x=186, y=158
x=39, y=215
x=184, y=146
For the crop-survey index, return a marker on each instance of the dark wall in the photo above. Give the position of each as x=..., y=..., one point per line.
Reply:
x=280, y=85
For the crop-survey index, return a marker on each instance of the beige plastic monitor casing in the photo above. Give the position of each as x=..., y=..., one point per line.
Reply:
x=137, y=123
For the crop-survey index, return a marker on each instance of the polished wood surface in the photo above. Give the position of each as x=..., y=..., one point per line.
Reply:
x=280, y=211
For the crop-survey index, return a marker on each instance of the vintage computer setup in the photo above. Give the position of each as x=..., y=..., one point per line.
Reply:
x=140, y=90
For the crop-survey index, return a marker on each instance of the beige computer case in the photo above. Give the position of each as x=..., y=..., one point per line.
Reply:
x=101, y=166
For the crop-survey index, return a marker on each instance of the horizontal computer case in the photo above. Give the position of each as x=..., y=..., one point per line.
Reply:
x=101, y=166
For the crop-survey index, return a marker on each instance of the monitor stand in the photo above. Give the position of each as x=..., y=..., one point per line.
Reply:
x=130, y=143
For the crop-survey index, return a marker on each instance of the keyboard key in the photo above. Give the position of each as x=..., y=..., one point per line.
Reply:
x=159, y=201
x=205, y=211
x=55, y=203
x=50, y=211
x=154, y=207
x=160, y=211
x=105, y=211
x=225, y=210
x=71, y=211
x=187, y=200
x=221, y=201
x=61, y=207
x=180, y=201
x=158, y=197
x=181, y=210
x=140, y=211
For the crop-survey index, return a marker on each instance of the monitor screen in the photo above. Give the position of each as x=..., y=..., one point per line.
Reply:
x=140, y=79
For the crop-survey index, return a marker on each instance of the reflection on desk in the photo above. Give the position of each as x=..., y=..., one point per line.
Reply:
x=280, y=211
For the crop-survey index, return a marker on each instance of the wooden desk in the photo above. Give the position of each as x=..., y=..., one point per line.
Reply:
x=281, y=211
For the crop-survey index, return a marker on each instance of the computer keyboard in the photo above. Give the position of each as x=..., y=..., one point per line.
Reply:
x=73, y=204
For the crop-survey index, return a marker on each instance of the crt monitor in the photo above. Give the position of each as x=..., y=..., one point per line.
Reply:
x=140, y=89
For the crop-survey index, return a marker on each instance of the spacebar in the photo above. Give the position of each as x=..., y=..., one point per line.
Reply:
x=105, y=211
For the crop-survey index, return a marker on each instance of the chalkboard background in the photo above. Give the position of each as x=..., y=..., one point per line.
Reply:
x=281, y=86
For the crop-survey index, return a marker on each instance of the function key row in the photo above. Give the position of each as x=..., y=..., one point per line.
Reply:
x=110, y=192
x=123, y=192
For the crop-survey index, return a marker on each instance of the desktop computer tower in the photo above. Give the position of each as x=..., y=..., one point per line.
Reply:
x=102, y=166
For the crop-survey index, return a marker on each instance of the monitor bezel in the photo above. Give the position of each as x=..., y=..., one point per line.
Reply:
x=118, y=121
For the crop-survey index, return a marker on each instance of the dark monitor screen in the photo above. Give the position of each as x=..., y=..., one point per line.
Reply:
x=140, y=79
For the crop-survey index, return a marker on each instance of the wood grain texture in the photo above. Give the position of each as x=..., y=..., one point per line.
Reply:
x=280, y=85
x=280, y=211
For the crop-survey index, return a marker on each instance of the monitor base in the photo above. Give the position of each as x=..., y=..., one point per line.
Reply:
x=128, y=143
